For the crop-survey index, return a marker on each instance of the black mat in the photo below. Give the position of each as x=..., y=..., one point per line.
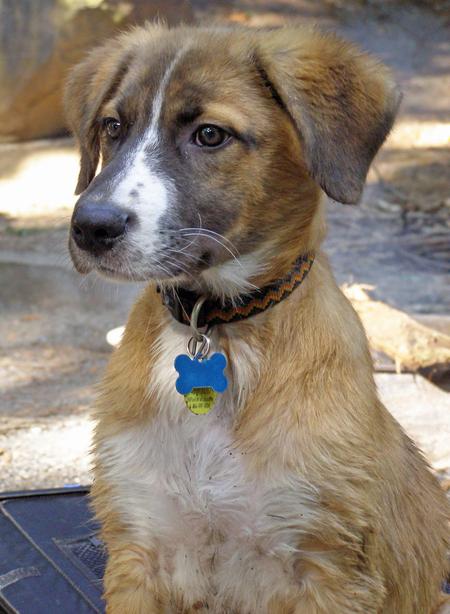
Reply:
x=51, y=561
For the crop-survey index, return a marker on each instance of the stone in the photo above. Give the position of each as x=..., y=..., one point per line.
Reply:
x=41, y=39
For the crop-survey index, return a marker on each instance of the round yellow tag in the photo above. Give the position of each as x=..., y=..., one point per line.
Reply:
x=200, y=400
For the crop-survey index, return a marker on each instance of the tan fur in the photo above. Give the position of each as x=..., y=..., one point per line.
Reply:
x=302, y=404
x=383, y=516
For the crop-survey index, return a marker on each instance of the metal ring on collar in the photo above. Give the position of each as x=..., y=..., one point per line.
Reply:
x=198, y=348
x=194, y=318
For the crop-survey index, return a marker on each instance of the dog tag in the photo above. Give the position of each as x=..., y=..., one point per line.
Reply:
x=199, y=380
x=200, y=400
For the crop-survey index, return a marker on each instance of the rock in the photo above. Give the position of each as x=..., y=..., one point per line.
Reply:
x=42, y=39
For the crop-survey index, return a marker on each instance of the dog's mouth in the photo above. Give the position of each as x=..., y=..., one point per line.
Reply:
x=202, y=268
x=113, y=273
x=128, y=264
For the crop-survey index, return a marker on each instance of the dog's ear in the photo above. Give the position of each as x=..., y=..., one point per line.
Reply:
x=342, y=101
x=89, y=85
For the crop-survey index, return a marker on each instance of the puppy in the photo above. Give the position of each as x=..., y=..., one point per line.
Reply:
x=297, y=492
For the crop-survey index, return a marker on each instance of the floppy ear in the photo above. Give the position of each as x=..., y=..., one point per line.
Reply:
x=342, y=101
x=89, y=85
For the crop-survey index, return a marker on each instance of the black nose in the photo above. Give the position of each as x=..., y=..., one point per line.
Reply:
x=97, y=226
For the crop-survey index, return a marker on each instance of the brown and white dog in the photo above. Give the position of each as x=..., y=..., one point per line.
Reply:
x=298, y=493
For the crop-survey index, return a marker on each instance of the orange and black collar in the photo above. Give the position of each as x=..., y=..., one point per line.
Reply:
x=213, y=312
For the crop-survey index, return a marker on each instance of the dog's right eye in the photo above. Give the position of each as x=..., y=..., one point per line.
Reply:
x=210, y=136
x=112, y=127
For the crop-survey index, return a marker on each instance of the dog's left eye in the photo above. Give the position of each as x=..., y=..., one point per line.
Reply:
x=210, y=136
x=112, y=127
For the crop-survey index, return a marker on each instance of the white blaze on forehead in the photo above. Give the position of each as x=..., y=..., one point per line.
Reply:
x=140, y=187
x=151, y=136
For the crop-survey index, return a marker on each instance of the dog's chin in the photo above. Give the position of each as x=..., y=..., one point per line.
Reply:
x=126, y=266
x=117, y=275
x=137, y=274
x=125, y=271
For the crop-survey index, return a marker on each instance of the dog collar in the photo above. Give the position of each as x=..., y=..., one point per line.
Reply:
x=213, y=311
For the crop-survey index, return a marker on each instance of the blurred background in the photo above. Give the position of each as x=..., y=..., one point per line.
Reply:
x=391, y=254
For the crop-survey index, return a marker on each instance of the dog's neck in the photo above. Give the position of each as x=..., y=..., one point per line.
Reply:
x=180, y=302
x=253, y=276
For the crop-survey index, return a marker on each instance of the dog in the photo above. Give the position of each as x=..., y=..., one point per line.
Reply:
x=296, y=492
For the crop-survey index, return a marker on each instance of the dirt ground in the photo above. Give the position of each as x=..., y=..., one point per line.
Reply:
x=53, y=323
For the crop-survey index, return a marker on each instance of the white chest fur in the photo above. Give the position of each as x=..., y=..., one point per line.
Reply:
x=183, y=485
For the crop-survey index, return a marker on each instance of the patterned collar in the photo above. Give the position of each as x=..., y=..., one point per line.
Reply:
x=213, y=311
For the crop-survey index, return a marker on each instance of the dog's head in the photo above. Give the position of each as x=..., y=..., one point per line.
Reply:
x=215, y=145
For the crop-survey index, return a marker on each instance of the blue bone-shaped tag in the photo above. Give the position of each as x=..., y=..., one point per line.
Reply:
x=206, y=373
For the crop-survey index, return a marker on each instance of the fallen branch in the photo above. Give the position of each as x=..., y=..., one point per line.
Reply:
x=412, y=345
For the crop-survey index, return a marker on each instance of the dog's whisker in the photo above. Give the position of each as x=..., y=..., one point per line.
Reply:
x=182, y=251
x=180, y=302
x=232, y=254
x=204, y=231
x=167, y=271
x=175, y=262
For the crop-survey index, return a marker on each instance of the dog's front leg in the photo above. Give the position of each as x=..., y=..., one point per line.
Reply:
x=334, y=578
x=130, y=581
